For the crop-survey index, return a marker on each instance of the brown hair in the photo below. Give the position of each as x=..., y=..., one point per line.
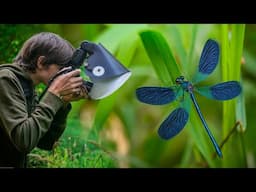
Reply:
x=55, y=49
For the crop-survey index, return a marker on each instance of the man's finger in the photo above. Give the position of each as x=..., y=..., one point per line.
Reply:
x=76, y=79
x=73, y=73
x=70, y=91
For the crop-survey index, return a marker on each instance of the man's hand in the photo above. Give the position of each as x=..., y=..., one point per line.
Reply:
x=82, y=94
x=68, y=86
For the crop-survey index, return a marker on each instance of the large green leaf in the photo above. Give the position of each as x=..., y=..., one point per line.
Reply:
x=161, y=56
x=116, y=33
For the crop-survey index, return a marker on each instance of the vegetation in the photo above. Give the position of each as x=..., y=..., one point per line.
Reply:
x=119, y=131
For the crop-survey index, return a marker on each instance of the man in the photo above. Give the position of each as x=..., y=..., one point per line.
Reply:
x=26, y=122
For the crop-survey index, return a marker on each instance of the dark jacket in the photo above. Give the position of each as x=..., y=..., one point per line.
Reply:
x=24, y=124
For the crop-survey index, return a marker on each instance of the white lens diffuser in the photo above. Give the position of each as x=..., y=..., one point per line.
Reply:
x=106, y=87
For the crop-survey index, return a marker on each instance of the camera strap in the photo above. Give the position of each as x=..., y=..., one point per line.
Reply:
x=28, y=91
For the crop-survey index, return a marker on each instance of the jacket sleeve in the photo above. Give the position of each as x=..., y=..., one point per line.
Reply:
x=23, y=131
x=57, y=128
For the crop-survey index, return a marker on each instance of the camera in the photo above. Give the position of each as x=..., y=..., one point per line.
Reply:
x=78, y=59
x=105, y=72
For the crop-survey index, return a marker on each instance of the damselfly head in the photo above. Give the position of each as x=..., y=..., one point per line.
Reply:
x=179, y=80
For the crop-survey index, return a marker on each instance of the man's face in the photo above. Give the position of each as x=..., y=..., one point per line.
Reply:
x=48, y=72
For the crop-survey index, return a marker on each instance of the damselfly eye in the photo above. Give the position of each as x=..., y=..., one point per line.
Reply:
x=179, y=79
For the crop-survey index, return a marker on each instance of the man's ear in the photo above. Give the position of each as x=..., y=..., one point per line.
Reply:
x=40, y=62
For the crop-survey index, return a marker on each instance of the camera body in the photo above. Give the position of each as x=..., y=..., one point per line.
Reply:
x=78, y=59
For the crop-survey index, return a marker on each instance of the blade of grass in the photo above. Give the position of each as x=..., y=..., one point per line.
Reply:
x=161, y=56
x=232, y=47
x=185, y=161
x=241, y=112
x=176, y=39
x=191, y=55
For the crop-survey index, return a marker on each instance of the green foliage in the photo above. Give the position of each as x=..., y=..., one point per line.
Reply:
x=73, y=151
x=74, y=155
x=232, y=48
x=168, y=70
x=156, y=54
x=12, y=38
x=161, y=56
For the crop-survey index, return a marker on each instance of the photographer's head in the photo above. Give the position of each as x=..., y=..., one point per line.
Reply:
x=44, y=50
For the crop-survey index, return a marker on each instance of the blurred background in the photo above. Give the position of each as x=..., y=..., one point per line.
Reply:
x=119, y=131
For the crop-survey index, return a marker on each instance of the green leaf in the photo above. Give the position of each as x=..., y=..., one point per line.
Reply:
x=231, y=52
x=176, y=40
x=241, y=112
x=161, y=56
x=192, y=54
x=126, y=49
x=116, y=33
